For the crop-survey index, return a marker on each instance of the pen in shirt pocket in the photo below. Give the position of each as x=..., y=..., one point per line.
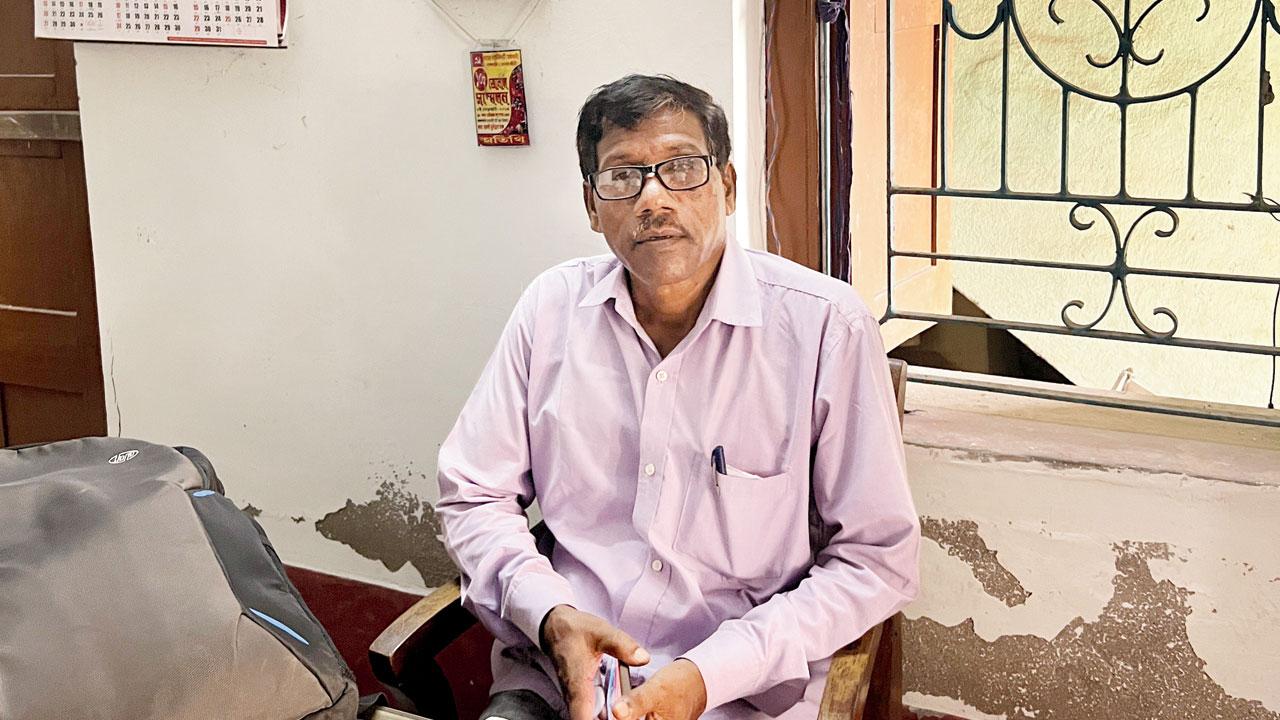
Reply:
x=717, y=462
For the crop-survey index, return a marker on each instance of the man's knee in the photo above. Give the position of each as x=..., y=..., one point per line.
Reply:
x=518, y=705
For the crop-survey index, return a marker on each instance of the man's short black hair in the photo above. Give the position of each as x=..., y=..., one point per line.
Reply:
x=627, y=102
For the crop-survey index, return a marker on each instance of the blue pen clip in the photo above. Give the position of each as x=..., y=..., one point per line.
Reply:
x=717, y=462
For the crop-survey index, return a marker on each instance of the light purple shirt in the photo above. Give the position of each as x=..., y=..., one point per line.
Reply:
x=785, y=369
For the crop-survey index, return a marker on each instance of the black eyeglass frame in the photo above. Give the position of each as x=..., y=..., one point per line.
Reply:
x=647, y=170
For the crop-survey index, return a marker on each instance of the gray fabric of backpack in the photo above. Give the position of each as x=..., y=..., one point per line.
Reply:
x=131, y=587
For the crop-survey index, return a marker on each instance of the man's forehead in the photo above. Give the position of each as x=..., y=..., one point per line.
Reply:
x=674, y=132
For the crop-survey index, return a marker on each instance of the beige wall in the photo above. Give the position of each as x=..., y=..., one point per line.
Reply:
x=1089, y=563
x=1236, y=243
x=303, y=259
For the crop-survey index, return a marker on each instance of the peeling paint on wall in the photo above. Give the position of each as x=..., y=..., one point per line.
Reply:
x=1135, y=661
x=395, y=528
x=961, y=540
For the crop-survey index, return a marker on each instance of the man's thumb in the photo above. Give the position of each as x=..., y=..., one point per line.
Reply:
x=633, y=706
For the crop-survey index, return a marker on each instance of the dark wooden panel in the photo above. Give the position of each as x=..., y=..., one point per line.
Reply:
x=42, y=351
x=31, y=148
x=34, y=415
x=46, y=263
x=46, y=68
x=50, y=366
x=791, y=131
x=44, y=230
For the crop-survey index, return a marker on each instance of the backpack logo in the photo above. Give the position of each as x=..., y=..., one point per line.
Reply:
x=123, y=457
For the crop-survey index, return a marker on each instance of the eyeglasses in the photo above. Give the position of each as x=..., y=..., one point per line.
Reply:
x=624, y=182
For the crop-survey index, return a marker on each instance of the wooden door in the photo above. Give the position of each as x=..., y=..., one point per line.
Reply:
x=793, y=227
x=51, y=383
x=919, y=223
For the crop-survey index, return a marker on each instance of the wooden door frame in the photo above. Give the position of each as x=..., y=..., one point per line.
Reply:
x=793, y=139
x=51, y=379
x=791, y=131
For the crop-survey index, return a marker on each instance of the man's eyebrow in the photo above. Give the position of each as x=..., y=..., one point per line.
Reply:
x=685, y=149
x=619, y=160
x=675, y=150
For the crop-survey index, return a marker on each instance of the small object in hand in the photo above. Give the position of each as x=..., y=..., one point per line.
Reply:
x=612, y=682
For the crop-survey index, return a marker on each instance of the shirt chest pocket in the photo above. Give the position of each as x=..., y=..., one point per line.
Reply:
x=744, y=526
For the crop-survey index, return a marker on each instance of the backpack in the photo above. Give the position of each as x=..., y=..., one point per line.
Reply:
x=131, y=587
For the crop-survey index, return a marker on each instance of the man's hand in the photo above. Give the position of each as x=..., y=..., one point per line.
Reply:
x=676, y=692
x=574, y=641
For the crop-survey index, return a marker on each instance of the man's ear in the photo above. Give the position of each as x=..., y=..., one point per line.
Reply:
x=729, y=177
x=589, y=200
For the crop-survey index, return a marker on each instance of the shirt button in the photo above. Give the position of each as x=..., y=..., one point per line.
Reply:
x=650, y=469
x=662, y=376
x=656, y=565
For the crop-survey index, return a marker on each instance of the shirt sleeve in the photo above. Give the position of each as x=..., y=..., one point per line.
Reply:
x=866, y=572
x=486, y=482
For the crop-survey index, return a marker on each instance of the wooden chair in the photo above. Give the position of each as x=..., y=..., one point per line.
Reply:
x=386, y=713
x=865, y=680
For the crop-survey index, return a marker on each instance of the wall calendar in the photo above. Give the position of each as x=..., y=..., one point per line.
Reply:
x=253, y=23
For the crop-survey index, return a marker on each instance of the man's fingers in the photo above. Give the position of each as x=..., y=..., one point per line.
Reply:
x=622, y=646
x=580, y=693
x=582, y=702
x=575, y=640
x=577, y=666
x=636, y=705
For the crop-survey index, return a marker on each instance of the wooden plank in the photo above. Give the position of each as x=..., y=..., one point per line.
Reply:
x=885, y=702
x=4, y=435
x=791, y=131
x=41, y=351
x=849, y=679
x=35, y=74
x=34, y=415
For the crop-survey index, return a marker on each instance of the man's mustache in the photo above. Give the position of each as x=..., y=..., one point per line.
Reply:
x=663, y=223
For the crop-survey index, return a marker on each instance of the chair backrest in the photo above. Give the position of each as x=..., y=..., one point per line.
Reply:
x=898, y=375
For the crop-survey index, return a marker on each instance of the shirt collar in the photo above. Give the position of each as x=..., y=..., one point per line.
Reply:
x=612, y=285
x=734, y=298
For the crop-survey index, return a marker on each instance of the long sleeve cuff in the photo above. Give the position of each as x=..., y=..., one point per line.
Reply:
x=531, y=597
x=730, y=664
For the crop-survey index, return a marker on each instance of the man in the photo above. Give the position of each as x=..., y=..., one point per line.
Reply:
x=712, y=439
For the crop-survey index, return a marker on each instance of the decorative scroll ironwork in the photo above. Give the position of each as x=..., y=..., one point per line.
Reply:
x=1121, y=271
x=1133, y=48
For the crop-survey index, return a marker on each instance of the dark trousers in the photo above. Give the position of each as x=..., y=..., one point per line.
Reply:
x=518, y=705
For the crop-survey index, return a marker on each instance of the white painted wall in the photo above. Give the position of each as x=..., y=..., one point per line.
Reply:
x=302, y=257
x=748, y=121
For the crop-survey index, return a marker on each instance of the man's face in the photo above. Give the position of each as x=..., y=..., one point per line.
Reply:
x=662, y=236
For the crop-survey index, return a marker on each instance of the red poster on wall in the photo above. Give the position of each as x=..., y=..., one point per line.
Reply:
x=497, y=84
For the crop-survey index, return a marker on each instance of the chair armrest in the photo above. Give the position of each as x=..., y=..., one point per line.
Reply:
x=845, y=694
x=423, y=630
x=386, y=713
x=898, y=376
x=403, y=657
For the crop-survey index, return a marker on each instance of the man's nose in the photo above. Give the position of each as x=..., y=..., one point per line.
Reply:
x=653, y=195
